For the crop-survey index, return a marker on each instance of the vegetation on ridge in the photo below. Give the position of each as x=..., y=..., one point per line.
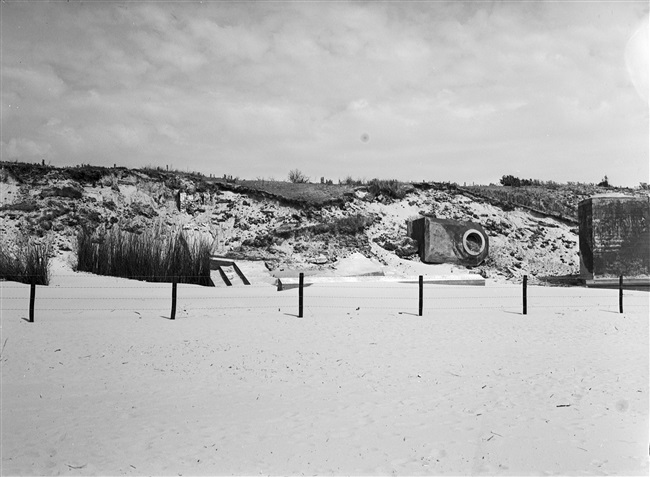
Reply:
x=277, y=221
x=557, y=200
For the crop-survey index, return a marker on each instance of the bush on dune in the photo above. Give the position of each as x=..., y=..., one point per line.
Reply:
x=297, y=177
x=389, y=188
x=351, y=225
x=156, y=256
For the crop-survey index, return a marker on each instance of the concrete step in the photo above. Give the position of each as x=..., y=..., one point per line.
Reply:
x=456, y=279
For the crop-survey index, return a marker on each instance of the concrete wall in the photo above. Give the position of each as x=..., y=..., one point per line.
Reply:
x=415, y=230
x=614, y=236
x=449, y=241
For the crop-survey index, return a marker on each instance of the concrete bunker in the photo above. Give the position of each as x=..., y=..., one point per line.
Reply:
x=449, y=241
x=614, y=237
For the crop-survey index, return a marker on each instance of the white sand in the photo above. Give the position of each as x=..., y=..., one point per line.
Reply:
x=471, y=387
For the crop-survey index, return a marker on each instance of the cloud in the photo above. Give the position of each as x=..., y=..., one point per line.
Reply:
x=39, y=82
x=247, y=87
x=357, y=105
x=21, y=147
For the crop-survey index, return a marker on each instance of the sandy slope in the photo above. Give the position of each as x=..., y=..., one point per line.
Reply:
x=103, y=383
x=247, y=225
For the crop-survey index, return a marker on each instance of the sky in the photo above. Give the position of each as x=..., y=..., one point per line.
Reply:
x=411, y=90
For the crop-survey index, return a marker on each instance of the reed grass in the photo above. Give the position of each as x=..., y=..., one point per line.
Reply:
x=157, y=255
x=26, y=262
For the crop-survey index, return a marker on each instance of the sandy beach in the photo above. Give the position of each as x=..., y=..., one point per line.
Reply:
x=103, y=383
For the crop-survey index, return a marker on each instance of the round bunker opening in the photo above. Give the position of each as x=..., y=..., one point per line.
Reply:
x=473, y=242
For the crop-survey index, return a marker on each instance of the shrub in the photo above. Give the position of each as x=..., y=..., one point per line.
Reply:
x=389, y=188
x=86, y=173
x=349, y=181
x=155, y=256
x=604, y=182
x=352, y=225
x=297, y=177
x=25, y=262
x=517, y=182
x=511, y=181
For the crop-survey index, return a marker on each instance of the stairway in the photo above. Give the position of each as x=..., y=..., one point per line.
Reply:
x=231, y=274
x=245, y=272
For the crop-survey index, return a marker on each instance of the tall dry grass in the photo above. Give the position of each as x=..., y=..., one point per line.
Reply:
x=25, y=262
x=157, y=255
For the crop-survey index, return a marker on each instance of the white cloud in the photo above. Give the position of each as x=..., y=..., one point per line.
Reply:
x=37, y=82
x=230, y=43
x=357, y=105
x=20, y=147
x=262, y=83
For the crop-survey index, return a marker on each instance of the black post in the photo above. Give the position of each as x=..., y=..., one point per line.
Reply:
x=525, y=283
x=620, y=294
x=421, y=302
x=32, y=298
x=301, y=283
x=174, y=286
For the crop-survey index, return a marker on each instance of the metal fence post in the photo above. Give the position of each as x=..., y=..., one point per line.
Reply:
x=421, y=301
x=620, y=294
x=301, y=283
x=525, y=294
x=174, y=287
x=32, y=298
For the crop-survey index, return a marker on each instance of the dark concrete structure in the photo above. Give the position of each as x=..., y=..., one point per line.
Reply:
x=449, y=241
x=614, y=237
